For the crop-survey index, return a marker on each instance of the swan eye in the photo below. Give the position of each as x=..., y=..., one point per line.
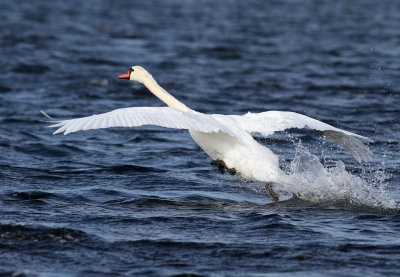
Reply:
x=131, y=70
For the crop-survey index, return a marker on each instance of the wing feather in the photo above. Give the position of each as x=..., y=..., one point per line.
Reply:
x=139, y=116
x=267, y=123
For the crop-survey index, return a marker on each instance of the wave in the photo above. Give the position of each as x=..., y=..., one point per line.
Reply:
x=17, y=232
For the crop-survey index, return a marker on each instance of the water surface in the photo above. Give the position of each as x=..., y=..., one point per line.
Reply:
x=145, y=201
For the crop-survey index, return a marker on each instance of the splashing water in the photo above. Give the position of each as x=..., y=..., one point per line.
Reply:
x=314, y=182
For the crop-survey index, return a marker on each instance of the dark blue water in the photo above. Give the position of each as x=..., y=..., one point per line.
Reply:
x=145, y=201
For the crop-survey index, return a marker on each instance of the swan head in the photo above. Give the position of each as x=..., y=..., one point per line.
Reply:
x=137, y=73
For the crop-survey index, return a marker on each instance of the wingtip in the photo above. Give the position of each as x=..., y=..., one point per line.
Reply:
x=367, y=139
x=48, y=116
x=56, y=131
x=366, y=157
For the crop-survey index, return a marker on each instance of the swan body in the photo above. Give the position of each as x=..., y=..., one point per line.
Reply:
x=226, y=138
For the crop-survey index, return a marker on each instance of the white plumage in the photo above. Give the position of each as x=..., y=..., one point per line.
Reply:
x=223, y=137
x=139, y=116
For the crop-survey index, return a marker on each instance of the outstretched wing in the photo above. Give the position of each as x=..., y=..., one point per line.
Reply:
x=267, y=123
x=139, y=116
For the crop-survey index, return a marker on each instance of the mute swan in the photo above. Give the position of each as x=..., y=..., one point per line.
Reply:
x=227, y=139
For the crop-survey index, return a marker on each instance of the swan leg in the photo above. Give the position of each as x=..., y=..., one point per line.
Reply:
x=272, y=194
x=220, y=164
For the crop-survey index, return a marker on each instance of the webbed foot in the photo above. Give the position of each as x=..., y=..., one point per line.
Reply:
x=222, y=167
x=272, y=194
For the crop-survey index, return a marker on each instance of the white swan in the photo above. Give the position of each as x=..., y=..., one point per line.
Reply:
x=227, y=139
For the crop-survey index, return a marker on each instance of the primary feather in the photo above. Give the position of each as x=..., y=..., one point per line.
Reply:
x=139, y=116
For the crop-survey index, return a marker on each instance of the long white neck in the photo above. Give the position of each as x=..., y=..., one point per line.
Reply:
x=163, y=95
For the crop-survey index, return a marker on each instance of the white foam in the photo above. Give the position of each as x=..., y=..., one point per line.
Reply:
x=312, y=181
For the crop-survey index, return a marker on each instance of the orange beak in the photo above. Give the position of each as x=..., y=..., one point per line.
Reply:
x=125, y=76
